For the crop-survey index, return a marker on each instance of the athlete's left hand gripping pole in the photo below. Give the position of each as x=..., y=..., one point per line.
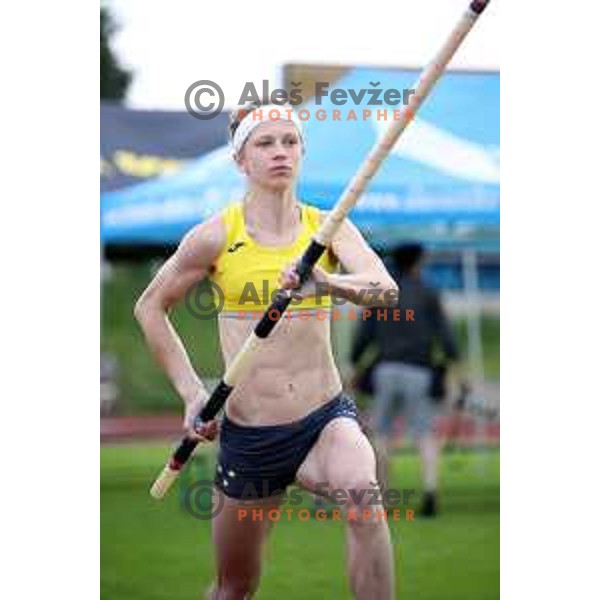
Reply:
x=242, y=361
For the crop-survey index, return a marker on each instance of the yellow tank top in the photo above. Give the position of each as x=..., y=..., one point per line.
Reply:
x=247, y=274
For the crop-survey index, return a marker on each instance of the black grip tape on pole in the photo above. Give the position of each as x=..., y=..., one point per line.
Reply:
x=477, y=6
x=209, y=412
x=273, y=314
x=182, y=454
x=309, y=259
x=278, y=307
x=216, y=401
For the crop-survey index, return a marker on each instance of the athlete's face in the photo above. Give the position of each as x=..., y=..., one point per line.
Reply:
x=271, y=155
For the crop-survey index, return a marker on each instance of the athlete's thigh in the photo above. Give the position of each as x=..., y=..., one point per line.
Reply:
x=238, y=534
x=341, y=458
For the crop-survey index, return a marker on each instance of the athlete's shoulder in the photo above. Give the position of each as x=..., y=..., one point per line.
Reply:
x=213, y=227
x=203, y=242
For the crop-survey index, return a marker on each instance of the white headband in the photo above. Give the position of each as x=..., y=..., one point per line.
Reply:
x=268, y=114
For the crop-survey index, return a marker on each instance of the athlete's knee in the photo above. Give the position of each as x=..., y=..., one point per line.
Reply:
x=362, y=501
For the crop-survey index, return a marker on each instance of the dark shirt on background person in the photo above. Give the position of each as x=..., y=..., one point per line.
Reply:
x=408, y=341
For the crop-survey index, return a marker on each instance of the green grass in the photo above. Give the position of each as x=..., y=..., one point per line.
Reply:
x=143, y=387
x=156, y=551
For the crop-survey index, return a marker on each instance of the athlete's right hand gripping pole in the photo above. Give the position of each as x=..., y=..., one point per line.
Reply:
x=322, y=239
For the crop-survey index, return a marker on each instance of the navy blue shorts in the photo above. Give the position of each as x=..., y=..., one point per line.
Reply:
x=258, y=462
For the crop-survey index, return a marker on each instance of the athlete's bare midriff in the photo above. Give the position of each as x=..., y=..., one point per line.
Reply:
x=292, y=374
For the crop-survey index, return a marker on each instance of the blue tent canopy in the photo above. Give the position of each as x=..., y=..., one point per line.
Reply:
x=442, y=180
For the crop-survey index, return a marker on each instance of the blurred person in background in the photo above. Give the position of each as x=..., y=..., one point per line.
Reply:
x=405, y=376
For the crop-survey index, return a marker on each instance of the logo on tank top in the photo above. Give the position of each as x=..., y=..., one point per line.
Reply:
x=235, y=246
